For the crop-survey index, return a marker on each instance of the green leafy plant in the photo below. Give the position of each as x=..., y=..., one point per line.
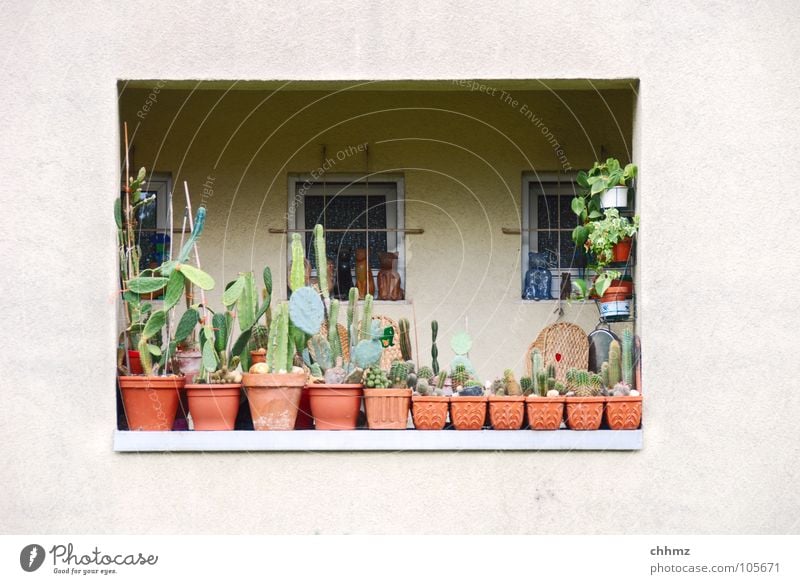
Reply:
x=607, y=232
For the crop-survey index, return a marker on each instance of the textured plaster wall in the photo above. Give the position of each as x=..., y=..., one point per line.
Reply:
x=716, y=119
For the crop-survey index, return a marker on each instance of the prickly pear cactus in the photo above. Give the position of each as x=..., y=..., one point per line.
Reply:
x=461, y=343
x=306, y=310
x=367, y=353
x=320, y=350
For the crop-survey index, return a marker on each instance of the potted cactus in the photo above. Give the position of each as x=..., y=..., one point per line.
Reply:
x=468, y=403
x=387, y=398
x=214, y=396
x=623, y=404
x=429, y=404
x=506, y=403
x=151, y=400
x=544, y=395
x=243, y=294
x=584, y=400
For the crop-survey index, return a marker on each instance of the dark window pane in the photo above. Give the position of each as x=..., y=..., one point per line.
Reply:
x=146, y=214
x=570, y=257
x=547, y=216
x=568, y=218
x=548, y=242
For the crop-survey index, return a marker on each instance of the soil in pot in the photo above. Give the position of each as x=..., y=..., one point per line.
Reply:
x=274, y=399
x=584, y=413
x=506, y=412
x=468, y=412
x=545, y=413
x=335, y=407
x=214, y=405
x=622, y=250
x=387, y=409
x=150, y=402
x=429, y=411
x=624, y=412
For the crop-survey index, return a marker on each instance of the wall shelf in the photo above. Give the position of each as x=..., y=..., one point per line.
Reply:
x=375, y=440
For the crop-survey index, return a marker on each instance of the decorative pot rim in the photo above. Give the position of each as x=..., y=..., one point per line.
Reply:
x=273, y=380
x=431, y=398
x=387, y=392
x=624, y=398
x=544, y=399
x=151, y=381
x=586, y=400
x=213, y=386
x=506, y=398
x=469, y=398
x=334, y=386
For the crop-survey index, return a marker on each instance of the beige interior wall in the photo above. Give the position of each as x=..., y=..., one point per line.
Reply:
x=462, y=154
x=716, y=141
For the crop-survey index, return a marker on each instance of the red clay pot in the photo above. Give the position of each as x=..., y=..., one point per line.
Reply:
x=150, y=402
x=387, y=409
x=626, y=285
x=584, y=413
x=189, y=363
x=624, y=412
x=615, y=294
x=429, y=411
x=257, y=357
x=506, y=411
x=545, y=413
x=622, y=250
x=274, y=399
x=468, y=412
x=305, y=421
x=214, y=405
x=335, y=406
x=135, y=363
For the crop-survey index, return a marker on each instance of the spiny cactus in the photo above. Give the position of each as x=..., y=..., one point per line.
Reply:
x=423, y=387
x=333, y=330
x=459, y=375
x=526, y=384
x=441, y=378
x=405, y=338
x=297, y=277
x=426, y=373
x=627, y=357
x=614, y=363
x=281, y=359
x=335, y=375
x=498, y=387
x=512, y=386
x=322, y=260
x=434, y=348
x=398, y=373
x=352, y=318
x=375, y=377
x=366, y=319
x=582, y=383
x=604, y=374
x=537, y=366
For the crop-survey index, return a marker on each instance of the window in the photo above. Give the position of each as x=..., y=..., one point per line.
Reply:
x=547, y=224
x=355, y=213
x=153, y=228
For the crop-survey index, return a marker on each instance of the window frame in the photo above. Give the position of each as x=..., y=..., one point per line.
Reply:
x=395, y=213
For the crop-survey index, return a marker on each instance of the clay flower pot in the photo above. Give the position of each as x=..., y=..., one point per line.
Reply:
x=257, y=357
x=214, y=405
x=624, y=412
x=622, y=250
x=274, y=399
x=468, y=412
x=626, y=285
x=506, y=411
x=305, y=421
x=429, y=411
x=387, y=409
x=189, y=363
x=135, y=363
x=335, y=406
x=150, y=402
x=584, y=413
x=545, y=413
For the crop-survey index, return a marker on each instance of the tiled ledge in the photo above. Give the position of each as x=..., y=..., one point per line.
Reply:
x=375, y=440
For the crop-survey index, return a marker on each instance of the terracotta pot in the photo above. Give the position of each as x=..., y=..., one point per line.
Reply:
x=622, y=250
x=468, y=412
x=305, y=421
x=214, y=405
x=506, y=411
x=545, y=413
x=274, y=399
x=150, y=402
x=615, y=294
x=257, y=357
x=584, y=413
x=387, y=409
x=189, y=363
x=429, y=411
x=335, y=406
x=626, y=285
x=135, y=363
x=624, y=412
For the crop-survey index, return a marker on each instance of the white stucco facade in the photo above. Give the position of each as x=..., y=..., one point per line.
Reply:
x=714, y=133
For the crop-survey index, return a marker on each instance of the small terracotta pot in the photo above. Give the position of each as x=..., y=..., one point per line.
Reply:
x=305, y=421
x=214, y=405
x=257, y=357
x=429, y=411
x=584, y=413
x=624, y=412
x=622, y=250
x=626, y=285
x=506, y=411
x=615, y=294
x=387, y=409
x=135, y=363
x=189, y=363
x=468, y=412
x=274, y=399
x=335, y=406
x=545, y=413
x=150, y=402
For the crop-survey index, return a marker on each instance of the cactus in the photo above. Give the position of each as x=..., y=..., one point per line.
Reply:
x=541, y=383
x=423, y=388
x=582, y=383
x=498, y=387
x=537, y=366
x=526, y=383
x=337, y=374
x=321, y=352
x=459, y=376
x=440, y=379
x=604, y=374
x=512, y=386
x=316, y=371
x=425, y=372
x=281, y=361
x=306, y=310
x=461, y=343
x=614, y=372
x=374, y=377
x=366, y=320
x=297, y=277
x=627, y=357
x=434, y=348
x=333, y=330
x=367, y=354
x=398, y=374
x=405, y=338
x=412, y=380
x=322, y=260
x=352, y=318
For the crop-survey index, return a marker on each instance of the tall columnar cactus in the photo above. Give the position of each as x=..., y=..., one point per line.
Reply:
x=352, y=318
x=297, y=277
x=627, y=357
x=605, y=374
x=526, y=384
x=614, y=366
x=398, y=373
x=280, y=360
x=333, y=330
x=434, y=348
x=366, y=319
x=405, y=338
x=322, y=259
x=441, y=379
x=537, y=367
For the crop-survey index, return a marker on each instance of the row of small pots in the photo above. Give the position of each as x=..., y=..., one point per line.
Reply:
x=151, y=403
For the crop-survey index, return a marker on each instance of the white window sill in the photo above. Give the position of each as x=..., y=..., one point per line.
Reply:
x=365, y=440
